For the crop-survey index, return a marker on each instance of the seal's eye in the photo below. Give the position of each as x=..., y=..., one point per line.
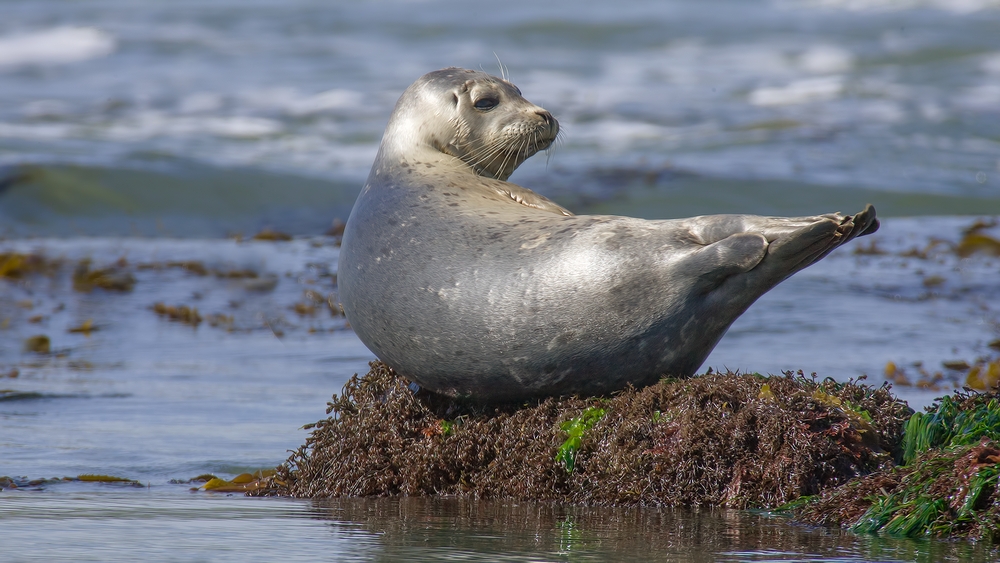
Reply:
x=486, y=104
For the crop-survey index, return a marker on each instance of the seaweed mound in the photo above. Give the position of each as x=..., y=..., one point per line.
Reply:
x=733, y=440
x=948, y=486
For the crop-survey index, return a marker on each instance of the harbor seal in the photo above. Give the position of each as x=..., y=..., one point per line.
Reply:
x=475, y=287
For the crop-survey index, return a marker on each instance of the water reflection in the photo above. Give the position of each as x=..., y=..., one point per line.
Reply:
x=101, y=524
x=420, y=529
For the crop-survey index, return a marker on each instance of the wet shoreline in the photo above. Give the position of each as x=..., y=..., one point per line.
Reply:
x=154, y=397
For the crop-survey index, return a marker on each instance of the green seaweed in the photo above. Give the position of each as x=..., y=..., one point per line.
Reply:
x=946, y=486
x=971, y=426
x=949, y=425
x=935, y=443
x=575, y=428
x=921, y=505
x=913, y=510
x=981, y=486
x=447, y=428
x=878, y=515
x=794, y=505
x=917, y=521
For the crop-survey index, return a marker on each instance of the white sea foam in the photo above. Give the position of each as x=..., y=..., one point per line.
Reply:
x=621, y=136
x=153, y=124
x=610, y=134
x=955, y=6
x=269, y=99
x=985, y=97
x=882, y=111
x=684, y=61
x=331, y=100
x=670, y=82
x=55, y=46
x=826, y=59
x=303, y=155
x=36, y=132
x=290, y=101
x=688, y=73
x=799, y=92
x=932, y=111
x=241, y=126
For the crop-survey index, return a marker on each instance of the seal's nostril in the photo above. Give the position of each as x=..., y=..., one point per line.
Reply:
x=546, y=116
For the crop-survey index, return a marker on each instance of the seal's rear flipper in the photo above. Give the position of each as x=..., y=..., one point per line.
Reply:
x=807, y=241
x=867, y=218
x=851, y=227
x=808, y=245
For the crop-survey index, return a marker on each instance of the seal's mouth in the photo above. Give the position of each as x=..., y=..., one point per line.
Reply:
x=544, y=135
x=497, y=156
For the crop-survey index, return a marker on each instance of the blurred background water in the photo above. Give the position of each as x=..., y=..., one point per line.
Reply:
x=150, y=131
x=114, y=113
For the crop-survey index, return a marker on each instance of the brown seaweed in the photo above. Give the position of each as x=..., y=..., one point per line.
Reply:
x=733, y=440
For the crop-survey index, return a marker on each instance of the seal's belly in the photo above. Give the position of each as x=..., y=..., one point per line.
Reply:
x=531, y=303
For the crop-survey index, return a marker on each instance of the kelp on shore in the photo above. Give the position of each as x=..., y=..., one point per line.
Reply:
x=733, y=440
x=947, y=487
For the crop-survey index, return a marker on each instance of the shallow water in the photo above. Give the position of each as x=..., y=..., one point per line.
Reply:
x=148, y=132
x=165, y=527
x=161, y=402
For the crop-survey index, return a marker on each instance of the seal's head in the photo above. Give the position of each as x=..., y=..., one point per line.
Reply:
x=480, y=119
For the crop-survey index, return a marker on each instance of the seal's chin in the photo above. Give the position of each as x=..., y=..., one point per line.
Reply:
x=497, y=153
x=541, y=139
x=514, y=158
x=500, y=162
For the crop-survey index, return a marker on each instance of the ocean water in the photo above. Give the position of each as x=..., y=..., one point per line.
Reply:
x=144, y=136
x=125, y=118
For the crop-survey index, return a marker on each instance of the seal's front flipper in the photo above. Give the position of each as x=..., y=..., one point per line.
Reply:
x=529, y=198
x=717, y=262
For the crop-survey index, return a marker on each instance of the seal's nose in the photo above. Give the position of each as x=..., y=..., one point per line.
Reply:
x=550, y=121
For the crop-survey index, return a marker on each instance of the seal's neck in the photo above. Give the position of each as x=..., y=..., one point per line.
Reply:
x=406, y=143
